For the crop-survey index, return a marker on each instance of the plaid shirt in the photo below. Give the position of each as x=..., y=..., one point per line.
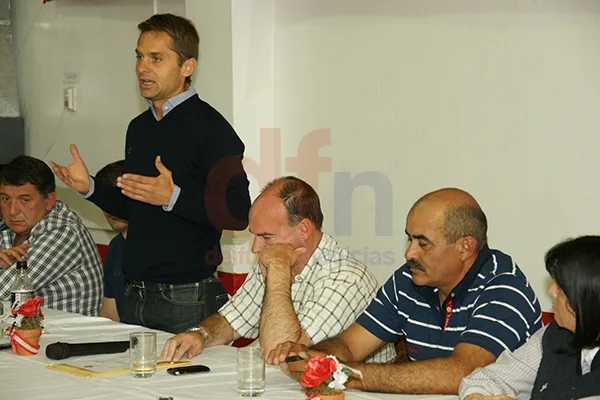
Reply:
x=63, y=264
x=328, y=295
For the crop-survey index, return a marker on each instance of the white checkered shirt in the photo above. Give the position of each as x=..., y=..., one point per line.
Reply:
x=328, y=295
x=63, y=264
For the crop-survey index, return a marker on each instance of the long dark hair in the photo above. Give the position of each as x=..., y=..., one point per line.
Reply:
x=575, y=266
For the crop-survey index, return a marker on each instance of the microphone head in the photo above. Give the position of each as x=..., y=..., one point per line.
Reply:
x=57, y=351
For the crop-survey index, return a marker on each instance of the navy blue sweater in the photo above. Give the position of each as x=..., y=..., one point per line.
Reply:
x=204, y=154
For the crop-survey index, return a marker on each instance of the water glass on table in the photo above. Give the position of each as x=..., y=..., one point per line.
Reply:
x=142, y=354
x=250, y=371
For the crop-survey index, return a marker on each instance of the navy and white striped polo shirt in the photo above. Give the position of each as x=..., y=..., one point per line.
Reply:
x=493, y=307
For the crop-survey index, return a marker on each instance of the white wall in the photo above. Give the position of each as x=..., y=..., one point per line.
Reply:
x=498, y=98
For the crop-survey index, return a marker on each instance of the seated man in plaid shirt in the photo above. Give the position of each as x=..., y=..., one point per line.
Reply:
x=63, y=262
x=304, y=288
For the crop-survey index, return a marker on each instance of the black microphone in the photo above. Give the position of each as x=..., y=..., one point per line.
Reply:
x=59, y=350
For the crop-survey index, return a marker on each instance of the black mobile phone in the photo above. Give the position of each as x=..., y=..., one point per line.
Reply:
x=293, y=358
x=190, y=369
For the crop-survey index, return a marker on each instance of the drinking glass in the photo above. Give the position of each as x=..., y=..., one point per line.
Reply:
x=250, y=371
x=142, y=354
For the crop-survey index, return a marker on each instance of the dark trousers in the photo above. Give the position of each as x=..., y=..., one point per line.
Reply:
x=171, y=307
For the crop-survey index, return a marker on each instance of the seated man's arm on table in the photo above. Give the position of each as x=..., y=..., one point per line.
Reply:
x=436, y=376
x=440, y=375
x=513, y=374
x=192, y=343
x=502, y=319
x=238, y=318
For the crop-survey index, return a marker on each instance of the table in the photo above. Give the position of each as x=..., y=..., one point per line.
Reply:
x=27, y=378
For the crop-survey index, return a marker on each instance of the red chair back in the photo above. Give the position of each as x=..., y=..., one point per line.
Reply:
x=547, y=318
x=102, y=250
x=232, y=282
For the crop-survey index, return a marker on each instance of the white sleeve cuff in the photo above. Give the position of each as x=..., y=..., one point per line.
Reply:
x=91, y=191
x=173, y=200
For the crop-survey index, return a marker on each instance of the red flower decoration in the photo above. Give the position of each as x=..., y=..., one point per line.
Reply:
x=318, y=370
x=30, y=308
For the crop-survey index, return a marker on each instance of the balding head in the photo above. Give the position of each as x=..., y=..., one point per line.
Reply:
x=456, y=213
x=446, y=230
x=298, y=198
x=287, y=211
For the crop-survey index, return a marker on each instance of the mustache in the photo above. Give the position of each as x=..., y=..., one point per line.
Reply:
x=415, y=265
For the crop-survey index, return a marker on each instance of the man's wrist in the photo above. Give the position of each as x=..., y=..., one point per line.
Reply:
x=279, y=280
x=282, y=270
x=173, y=199
x=202, y=331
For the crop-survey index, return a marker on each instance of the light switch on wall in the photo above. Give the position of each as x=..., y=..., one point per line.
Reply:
x=70, y=94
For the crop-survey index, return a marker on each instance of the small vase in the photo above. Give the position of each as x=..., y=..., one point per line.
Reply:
x=32, y=338
x=339, y=396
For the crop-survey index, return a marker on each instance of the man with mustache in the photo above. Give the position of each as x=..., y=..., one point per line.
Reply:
x=457, y=303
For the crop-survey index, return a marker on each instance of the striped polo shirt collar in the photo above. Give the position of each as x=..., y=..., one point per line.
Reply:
x=460, y=290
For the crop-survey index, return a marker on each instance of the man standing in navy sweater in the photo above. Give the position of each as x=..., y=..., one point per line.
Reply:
x=183, y=184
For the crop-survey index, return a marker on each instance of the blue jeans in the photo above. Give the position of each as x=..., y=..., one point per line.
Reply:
x=171, y=307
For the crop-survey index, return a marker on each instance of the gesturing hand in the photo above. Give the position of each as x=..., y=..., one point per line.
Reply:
x=76, y=175
x=152, y=190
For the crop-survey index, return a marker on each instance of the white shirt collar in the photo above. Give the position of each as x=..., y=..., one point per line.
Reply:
x=587, y=357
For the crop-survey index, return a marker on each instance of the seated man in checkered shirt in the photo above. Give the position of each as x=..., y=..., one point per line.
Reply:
x=457, y=303
x=62, y=259
x=304, y=288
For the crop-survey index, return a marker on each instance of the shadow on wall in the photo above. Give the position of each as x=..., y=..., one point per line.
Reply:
x=131, y=10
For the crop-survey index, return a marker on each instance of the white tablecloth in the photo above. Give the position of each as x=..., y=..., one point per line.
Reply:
x=27, y=378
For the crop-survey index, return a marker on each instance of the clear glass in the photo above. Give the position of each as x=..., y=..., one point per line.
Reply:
x=250, y=371
x=142, y=354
